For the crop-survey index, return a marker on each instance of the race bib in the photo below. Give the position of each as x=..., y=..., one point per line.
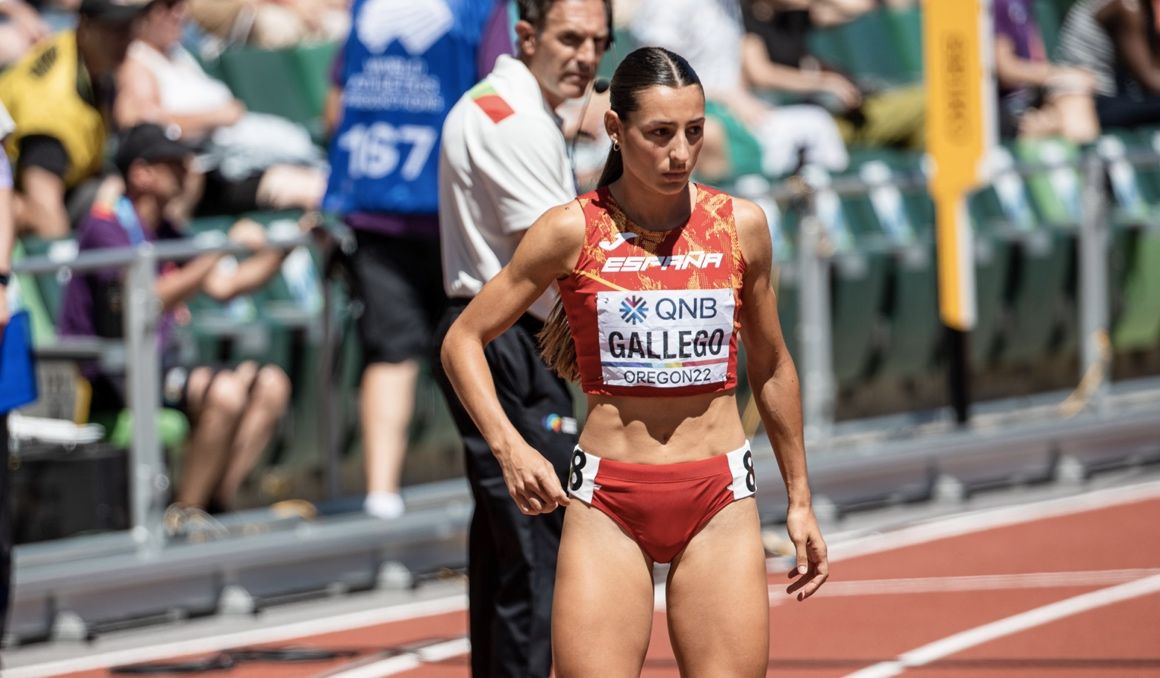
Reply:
x=665, y=338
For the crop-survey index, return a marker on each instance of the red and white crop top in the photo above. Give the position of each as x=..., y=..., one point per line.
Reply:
x=656, y=313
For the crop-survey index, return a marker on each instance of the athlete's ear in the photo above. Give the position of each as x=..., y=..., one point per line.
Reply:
x=612, y=126
x=525, y=38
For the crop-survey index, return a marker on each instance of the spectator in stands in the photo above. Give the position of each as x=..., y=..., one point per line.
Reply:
x=20, y=28
x=233, y=411
x=1119, y=42
x=272, y=24
x=709, y=34
x=7, y=234
x=776, y=57
x=252, y=156
x=60, y=95
x=393, y=206
x=1036, y=97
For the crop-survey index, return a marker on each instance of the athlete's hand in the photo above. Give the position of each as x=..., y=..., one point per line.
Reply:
x=813, y=565
x=531, y=480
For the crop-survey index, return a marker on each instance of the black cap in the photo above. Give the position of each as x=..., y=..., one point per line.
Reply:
x=113, y=11
x=150, y=143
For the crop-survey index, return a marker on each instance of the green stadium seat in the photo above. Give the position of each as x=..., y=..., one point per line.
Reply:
x=43, y=322
x=1049, y=16
x=1042, y=271
x=1138, y=326
x=872, y=52
x=912, y=300
x=1136, y=214
x=906, y=32
x=623, y=44
x=994, y=234
x=829, y=46
x=313, y=63
x=269, y=81
x=858, y=275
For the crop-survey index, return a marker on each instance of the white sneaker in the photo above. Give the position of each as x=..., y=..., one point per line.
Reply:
x=384, y=505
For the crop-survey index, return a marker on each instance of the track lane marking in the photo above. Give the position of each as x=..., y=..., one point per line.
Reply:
x=1007, y=626
x=843, y=546
x=272, y=634
x=854, y=545
x=408, y=661
x=986, y=582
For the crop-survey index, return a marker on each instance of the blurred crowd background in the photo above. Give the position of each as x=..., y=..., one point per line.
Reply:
x=829, y=90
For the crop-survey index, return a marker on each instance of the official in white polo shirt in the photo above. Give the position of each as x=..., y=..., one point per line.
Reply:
x=503, y=163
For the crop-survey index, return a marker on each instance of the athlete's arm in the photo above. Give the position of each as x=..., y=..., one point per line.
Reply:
x=548, y=250
x=774, y=381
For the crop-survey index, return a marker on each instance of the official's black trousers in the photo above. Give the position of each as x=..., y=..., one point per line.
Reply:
x=512, y=557
x=5, y=526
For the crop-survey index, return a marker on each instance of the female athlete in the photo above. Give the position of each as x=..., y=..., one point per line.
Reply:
x=658, y=277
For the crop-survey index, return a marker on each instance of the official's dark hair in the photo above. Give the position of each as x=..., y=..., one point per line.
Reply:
x=641, y=69
x=535, y=12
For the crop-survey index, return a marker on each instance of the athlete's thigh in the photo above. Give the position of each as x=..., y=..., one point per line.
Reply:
x=718, y=598
x=603, y=609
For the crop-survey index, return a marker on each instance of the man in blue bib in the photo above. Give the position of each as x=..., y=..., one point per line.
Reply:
x=403, y=67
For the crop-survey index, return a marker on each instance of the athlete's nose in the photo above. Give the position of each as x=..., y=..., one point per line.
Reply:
x=679, y=155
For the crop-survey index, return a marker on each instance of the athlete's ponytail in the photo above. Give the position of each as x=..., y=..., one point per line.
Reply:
x=556, y=345
x=641, y=69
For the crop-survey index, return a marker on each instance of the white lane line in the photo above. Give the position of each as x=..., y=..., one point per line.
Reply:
x=844, y=546
x=270, y=634
x=987, y=582
x=1004, y=627
x=408, y=661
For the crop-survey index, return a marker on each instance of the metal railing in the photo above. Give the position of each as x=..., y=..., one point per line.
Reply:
x=814, y=259
x=142, y=315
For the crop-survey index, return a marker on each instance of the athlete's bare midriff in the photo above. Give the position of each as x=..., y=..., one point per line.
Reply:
x=652, y=430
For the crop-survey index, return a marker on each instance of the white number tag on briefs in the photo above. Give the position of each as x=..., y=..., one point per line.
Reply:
x=665, y=338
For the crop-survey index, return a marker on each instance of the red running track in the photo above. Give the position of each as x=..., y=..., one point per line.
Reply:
x=1019, y=592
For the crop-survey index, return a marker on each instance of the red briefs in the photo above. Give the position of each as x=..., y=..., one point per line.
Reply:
x=662, y=506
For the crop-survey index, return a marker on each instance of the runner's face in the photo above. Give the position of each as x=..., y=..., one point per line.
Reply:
x=564, y=55
x=661, y=140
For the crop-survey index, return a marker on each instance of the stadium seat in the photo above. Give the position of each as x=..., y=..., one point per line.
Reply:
x=906, y=31
x=869, y=49
x=1049, y=16
x=623, y=44
x=313, y=64
x=858, y=275
x=1138, y=324
x=993, y=261
x=912, y=299
x=1040, y=312
x=269, y=81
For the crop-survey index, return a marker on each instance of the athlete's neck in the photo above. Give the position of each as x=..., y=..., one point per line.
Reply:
x=650, y=209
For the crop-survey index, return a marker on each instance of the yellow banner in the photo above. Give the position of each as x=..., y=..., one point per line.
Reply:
x=960, y=130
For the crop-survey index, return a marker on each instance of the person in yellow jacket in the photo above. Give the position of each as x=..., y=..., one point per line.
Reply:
x=60, y=96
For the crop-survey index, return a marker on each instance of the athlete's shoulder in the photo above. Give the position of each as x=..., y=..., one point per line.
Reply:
x=566, y=219
x=747, y=214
